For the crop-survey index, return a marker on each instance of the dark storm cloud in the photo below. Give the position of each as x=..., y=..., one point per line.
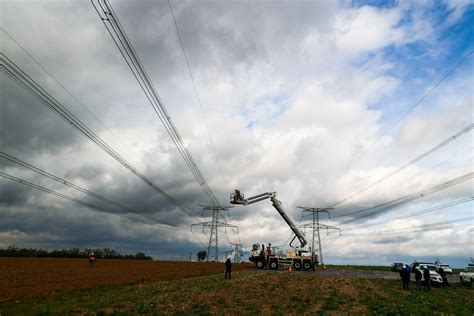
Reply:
x=78, y=227
x=13, y=194
x=393, y=239
x=218, y=35
x=28, y=127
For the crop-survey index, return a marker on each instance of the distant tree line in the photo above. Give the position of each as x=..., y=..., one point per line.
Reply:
x=106, y=253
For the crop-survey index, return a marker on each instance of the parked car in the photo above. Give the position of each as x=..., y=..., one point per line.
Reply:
x=467, y=276
x=445, y=267
x=397, y=266
x=416, y=264
x=434, y=275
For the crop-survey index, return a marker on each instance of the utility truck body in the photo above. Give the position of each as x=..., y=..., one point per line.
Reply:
x=264, y=257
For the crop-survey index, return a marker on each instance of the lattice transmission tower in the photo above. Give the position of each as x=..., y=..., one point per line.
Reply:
x=237, y=251
x=315, y=226
x=214, y=225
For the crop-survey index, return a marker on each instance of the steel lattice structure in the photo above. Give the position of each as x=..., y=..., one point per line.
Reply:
x=214, y=224
x=315, y=226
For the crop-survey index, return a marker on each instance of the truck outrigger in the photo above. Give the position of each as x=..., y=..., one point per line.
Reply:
x=297, y=258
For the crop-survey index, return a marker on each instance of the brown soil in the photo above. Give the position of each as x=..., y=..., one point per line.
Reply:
x=30, y=277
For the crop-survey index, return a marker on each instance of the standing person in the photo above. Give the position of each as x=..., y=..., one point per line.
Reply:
x=444, y=276
x=405, y=275
x=228, y=268
x=92, y=260
x=269, y=251
x=426, y=276
x=418, y=277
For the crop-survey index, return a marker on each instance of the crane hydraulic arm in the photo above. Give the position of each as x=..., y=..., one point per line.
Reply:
x=238, y=198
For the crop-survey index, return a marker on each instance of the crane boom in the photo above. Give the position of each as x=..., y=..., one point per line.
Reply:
x=238, y=198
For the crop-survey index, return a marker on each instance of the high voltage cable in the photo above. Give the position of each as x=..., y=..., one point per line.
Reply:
x=198, y=98
x=413, y=214
x=440, y=145
x=134, y=217
x=414, y=229
x=127, y=51
x=417, y=103
x=52, y=77
x=22, y=79
x=62, y=181
x=406, y=199
x=68, y=91
x=196, y=91
x=69, y=184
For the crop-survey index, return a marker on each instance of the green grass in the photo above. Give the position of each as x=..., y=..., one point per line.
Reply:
x=251, y=293
x=354, y=267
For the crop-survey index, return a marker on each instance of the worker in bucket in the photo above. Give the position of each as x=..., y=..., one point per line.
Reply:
x=92, y=260
x=237, y=195
x=228, y=268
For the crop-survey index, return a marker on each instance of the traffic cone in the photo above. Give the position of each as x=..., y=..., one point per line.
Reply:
x=290, y=269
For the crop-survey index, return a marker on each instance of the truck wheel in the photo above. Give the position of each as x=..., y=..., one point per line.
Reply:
x=470, y=283
x=297, y=265
x=273, y=265
x=260, y=264
x=307, y=265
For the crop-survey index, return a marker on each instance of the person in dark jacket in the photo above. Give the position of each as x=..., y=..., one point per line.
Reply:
x=405, y=275
x=418, y=277
x=444, y=276
x=228, y=268
x=427, y=277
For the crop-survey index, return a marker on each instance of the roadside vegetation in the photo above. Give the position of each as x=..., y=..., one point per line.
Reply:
x=105, y=253
x=253, y=293
x=355, y=267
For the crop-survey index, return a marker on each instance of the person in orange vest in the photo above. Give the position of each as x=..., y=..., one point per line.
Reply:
x=269, y=250
x=92, y=260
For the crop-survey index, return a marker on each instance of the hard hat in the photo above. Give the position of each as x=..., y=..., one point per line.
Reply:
x=92, y=254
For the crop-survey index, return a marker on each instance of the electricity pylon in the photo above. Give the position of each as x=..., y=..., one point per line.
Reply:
x=316, y=246
x=214, y=224
x=237, y=251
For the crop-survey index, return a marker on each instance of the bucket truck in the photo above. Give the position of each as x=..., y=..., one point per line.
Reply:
x=265, y=258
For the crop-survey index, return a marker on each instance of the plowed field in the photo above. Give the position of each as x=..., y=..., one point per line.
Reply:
x=22, y=278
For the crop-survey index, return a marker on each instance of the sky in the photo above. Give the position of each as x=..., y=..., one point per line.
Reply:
x=317, y=100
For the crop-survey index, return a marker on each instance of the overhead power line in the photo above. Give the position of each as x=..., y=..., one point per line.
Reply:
x=36, y=61
x=416, y=104
x=415, y=229
x=440, y=145
x=121, y=40
x=406, y=199
x=417, y=213
x=62, y=181
x=133, y=217
x=198, y=98
x=22, y=79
